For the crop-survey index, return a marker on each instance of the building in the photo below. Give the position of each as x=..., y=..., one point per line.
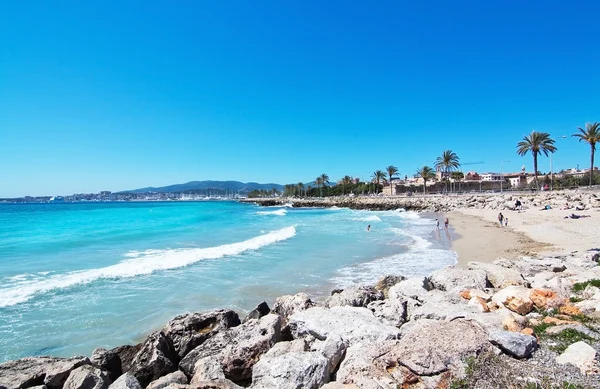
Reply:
x=491, y=177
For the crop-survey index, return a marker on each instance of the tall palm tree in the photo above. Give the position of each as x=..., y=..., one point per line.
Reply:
x=426, y=173
x=346, y=180
x=391, y=170
x=324, y=179
x=591, y=135
x=536, y=143
x=446, y=163
x=319, y=182
x=300, y=187
x=378, y=176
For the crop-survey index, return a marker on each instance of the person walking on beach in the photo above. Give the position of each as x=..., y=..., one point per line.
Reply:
x=500, y=219
x=518, y=205
x=446, y=222
x=437, y=224
x=505, y=222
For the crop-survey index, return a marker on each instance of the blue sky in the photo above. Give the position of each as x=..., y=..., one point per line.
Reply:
x=120, y=95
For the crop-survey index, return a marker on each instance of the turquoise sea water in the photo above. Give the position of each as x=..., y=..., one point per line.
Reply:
x=74, y=277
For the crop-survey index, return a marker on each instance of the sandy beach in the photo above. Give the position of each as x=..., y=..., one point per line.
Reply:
x=531, y=232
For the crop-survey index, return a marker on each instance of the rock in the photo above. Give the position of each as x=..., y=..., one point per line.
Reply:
x=446, y=345
x=454, y=280
x=291, y=370
x=352, y=324
x=589, y=306
x=355, y=296
x=126, y=354
x=186, y=332
x=570, y=310
x=557, y=329
x=213, y=384
x=515, y=298
x=287, y=305
x=412, y=288
x=49, y=371
x=337, y=385
x=544, y=298
x=177, y=377
x=513, y=343
x=126, y=381
x=87, y=377
x=519, y=305
x=579, y=354
x=513, y=322
x=466, y=294
x=261, y=310
x=108, y=361
x=156, y=358
x=385, y=283
x=207, y=369
x=235, y=350
x=364, y=367
x=555, y=321
x=499, y=276
x=391, y=312
x=528, y=331
x=479, y=303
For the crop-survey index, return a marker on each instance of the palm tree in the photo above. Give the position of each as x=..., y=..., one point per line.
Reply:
x=324, y=179
x=300, y=187
x=345, y=181
x=591, y=135
x=426, y=173
x=378, y=176
x=536, y=143
x=391, y=170
x=319, y=182
x=446, y=163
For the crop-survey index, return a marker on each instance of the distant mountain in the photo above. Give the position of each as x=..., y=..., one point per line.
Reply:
x=201, y=186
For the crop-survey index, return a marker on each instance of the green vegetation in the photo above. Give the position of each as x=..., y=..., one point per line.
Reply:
x=536, y=143
x=447, y=163
x=580, y=286
x=378, y=176
x=575, y=299
x=391, y=171
x=591, y=135
x=426, y=173
x=568, y=337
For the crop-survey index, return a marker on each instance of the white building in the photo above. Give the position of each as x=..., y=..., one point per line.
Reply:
x=491, y=177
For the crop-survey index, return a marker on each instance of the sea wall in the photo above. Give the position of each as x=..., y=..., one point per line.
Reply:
x=506, y=324
x=438, y=203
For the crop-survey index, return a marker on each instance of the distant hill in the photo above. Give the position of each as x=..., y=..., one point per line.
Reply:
x=201, y=186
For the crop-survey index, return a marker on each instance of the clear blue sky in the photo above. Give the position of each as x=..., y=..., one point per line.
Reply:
x=109, y=95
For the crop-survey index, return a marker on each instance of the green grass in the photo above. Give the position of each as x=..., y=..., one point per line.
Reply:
x=580, y=286
x=567, y=338
x=564, y=385
x=575, y=299
x=540, y=329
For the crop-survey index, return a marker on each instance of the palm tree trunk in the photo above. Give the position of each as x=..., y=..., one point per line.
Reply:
x=592, y=166
x=537, y=184
x=424, y=185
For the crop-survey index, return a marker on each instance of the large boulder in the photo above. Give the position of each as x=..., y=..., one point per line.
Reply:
x=352, y=324
x=87, y=377
x=355, y=296
x=212, y=384
x=290, y=371
x=514, y=343
x=499, y=276
x=363, y=366
x=386, y=282
x=412, y=288
x=186, y=332
x=454, y=280
x=126, y=381
x=579, y=354
x=391, y=311
x=234, y=352
x=126, y=355
x=155, y=359
x=177, y=377
x=107, y=360
x=515, y=298
x=49, y=371
x=287, y=305
x=261, y=310
x=445, y=346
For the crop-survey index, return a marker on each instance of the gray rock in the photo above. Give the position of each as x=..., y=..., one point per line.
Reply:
x=214, y=384
x=126, y=354
x=392, y=312
x=261, y=310
x=446, y=345
x=499, y=276
x=287, y=305
x=235, y=350
x=87, y=377
x=363, y=366
x=355, y=296
x=108, y=361
x=514, y=343
x=126, y=381
x=385, y=283
x=554, y=330
x=177, y=377
x=290, y=371
x=412, y=288
x=455, y=280
x=333, y=349
x=155, y=359
x=352, y=324
x=49, y=371
x=207, y=369
x=186, y=332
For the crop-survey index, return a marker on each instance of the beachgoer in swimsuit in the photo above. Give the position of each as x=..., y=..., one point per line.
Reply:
x=500, y=218
x=437, y=224
x=369, y=227
x=446, y=222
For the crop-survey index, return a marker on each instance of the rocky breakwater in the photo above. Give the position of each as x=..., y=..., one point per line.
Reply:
x=529, y=323
x=434, y=203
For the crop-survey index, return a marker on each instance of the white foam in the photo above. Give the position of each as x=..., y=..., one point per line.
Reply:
x=140, y=263
x=372, y=218
x=279, y=212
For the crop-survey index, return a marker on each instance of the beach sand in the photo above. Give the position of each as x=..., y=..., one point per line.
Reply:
x=477, y=238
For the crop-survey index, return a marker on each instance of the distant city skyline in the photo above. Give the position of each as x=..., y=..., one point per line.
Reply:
x=127, y=95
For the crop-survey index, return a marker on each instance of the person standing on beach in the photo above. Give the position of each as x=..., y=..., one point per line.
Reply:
x=501, y=219
x=446, y=222
x=437, y=224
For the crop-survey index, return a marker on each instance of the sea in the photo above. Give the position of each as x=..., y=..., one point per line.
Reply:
x=77, y=276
